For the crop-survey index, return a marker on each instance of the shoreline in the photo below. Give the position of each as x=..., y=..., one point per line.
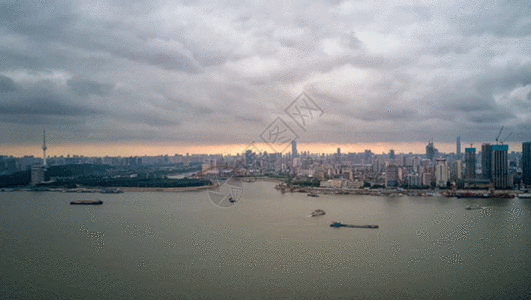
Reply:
x=166, y=189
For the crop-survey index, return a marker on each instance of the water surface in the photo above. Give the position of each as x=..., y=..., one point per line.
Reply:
x=181, y=246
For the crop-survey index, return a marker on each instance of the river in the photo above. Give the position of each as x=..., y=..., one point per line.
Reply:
x=182, y=246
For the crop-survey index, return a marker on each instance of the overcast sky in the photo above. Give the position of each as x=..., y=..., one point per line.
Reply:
x=219, y=72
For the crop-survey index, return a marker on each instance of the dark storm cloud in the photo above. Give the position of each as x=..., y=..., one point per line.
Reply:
x=200, y=72
x=7, y=84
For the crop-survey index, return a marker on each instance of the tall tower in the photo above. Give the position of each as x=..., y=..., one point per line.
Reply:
x=526, y=163
x=294, y=153
x=500, y=166
x=470, y=163
x=44, y=148
x=441, y=172
x=430, y=151
x=458, y=147
x=486, y=161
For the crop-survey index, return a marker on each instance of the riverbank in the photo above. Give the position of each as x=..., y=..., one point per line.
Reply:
x=167, y=190
x=394, y=193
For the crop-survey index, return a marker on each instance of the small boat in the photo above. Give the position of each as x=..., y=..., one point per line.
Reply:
x=318, y=212
x=338, y=224
x=473, y=207
x=524, y=196
x=232, y=200
x=312, y=195
x=86, y=202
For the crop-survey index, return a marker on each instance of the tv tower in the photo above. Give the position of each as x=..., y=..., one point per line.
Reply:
x=44, y=148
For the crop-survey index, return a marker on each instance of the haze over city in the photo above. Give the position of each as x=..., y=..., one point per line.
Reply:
x=119, y=78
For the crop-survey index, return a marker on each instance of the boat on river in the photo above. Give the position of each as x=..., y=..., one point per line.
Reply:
x=474, y=207
x=338, y=224
x=524, y=196
x=86, y=202
x=318, y=212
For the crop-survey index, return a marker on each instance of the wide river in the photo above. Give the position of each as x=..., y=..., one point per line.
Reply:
x=182, y=246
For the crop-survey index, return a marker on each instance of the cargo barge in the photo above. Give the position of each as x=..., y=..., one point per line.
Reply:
x=86, y=202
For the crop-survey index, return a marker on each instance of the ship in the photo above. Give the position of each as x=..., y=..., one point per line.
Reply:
x=524, y=196
x=86, y=202
x=473, y=207
x=312, y=195
x=338, y=224
x=318, y=212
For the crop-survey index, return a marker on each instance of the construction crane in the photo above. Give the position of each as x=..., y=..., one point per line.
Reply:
x=498, y=137
x=506, y=138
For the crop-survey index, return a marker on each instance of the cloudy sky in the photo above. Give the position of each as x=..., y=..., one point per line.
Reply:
x=173, y=76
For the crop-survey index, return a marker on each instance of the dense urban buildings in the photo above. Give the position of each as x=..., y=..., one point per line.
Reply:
x=499, y=168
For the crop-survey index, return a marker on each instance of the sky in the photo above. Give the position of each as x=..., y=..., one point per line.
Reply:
x=166, y=77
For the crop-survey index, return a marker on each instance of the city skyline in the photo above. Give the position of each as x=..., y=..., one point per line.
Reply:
x=101, y=150
x=199, y=75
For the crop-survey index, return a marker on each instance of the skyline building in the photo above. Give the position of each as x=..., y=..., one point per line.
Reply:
x=458, y=147
x=441, y=172
x=430, y=151
x=294, y=153
x=391, y=176
x=470, y=163
x=456, y=171
x=392, y=154
x=500, y=166
x=486, y=161
x=526, y=163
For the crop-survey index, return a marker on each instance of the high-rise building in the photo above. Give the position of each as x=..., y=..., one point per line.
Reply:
x=441, y=172
x=526, y=163
x=486, y=161
x=500, y=166
x=338, y=153
x=391, y=176
x=430, y=151
x=294, y=153
x=470, y=163
x=458, y=147
x=392, y=154
x=456, y=170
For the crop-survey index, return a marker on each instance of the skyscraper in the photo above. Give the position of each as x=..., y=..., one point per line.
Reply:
x=391, y=176
x=441, y=172
x=458, y=147
x=486, y=161
x=526, y=163
x=294, y=153
x=500, y=166
x=470, y=161
x=392, y=154
x=430, y=151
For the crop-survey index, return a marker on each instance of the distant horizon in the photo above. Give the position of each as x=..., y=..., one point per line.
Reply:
x=127, y=150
